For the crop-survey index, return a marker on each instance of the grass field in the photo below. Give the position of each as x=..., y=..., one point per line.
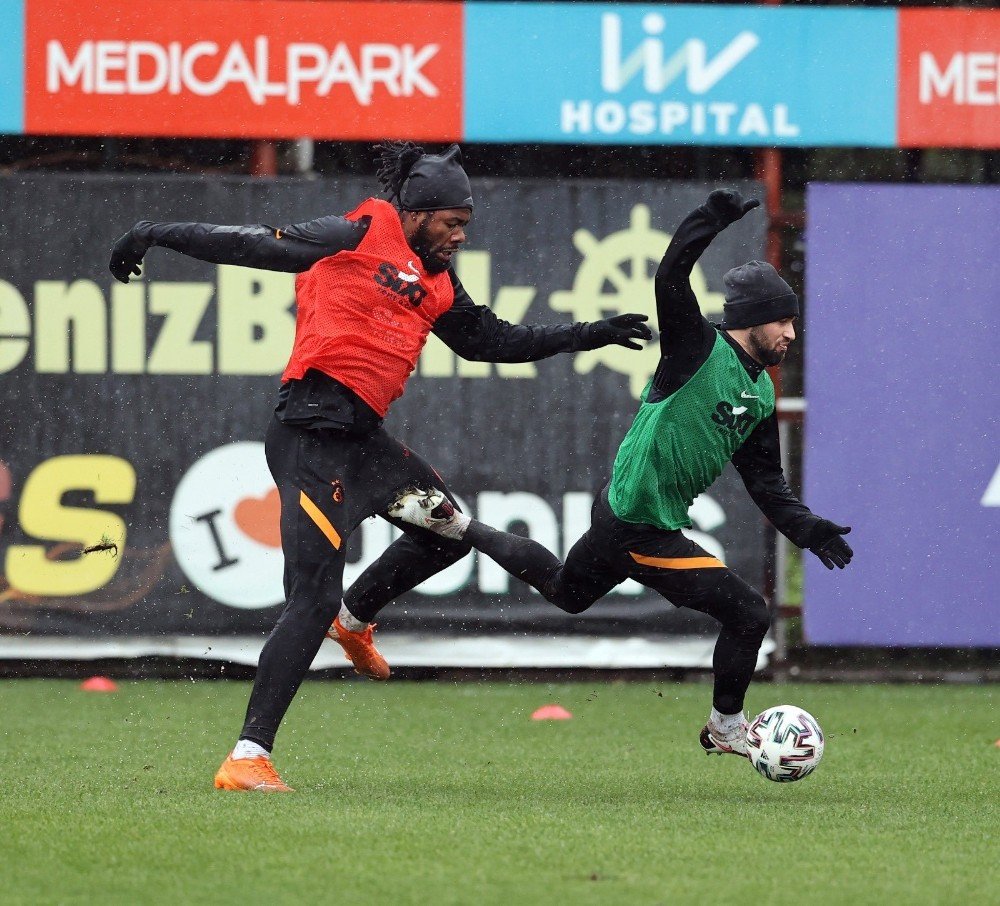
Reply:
x=447, y=793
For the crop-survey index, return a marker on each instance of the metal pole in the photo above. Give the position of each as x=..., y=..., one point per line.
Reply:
x=264, y=158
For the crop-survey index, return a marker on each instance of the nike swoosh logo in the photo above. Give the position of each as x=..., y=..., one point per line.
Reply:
x=409, y=278
x=748, y=396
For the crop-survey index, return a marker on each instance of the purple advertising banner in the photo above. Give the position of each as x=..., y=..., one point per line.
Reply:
x=903, y=424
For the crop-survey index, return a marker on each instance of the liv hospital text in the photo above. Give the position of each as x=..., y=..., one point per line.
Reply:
x=649, y=63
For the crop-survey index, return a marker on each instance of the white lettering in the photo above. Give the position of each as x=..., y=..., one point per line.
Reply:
x=703, y=75
x=720, y=118
x=60, y=71
x=237, y=68
x=971, y=79
x=981, y=79
x=659, y=73
x=575, y=117
x=413, y=79
x=188, y=59
x=672, y=114
x=205, y=69
x=174, y=81
x=110, y=59
x=782, y=125
x=642, y=118
x=387, y=73
x=139, y=51
x=306, y=63
x=341, y=70
x=723, y=113
x=609, y=117
x=753, y=121
x=697, y=119
x=933, y=82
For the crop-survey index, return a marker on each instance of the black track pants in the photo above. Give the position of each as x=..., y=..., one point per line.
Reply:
x=329, y=482
x=666, y=561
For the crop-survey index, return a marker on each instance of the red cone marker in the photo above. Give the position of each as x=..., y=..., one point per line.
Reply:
x=552, y=712
x=99, y=684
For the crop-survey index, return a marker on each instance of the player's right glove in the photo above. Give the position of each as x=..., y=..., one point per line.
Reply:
x=127, y=255
x=728, y=205
x=825, y=542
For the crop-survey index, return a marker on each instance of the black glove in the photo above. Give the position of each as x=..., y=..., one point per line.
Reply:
x=728, y=205
x=622, y=330
x=127, y=255
x=825, y=542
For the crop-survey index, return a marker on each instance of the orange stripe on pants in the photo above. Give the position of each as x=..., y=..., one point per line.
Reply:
x=322, y=523
x=678, y=562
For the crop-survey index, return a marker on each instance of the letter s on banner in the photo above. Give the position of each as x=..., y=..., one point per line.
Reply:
x=43, y=515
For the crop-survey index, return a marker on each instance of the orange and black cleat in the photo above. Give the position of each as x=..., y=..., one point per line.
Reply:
x=250, y=775
x=360, y=650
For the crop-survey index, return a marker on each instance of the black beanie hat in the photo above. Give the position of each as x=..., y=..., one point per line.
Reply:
x=436, y=182
x=756, y=294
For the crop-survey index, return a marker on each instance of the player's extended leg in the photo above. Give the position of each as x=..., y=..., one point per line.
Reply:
x=389, y=468
x=314, y=528
x=404, y=564
x=574, y=586
x=687, y=576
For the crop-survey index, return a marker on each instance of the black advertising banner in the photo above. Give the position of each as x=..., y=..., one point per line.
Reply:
x=133, y=416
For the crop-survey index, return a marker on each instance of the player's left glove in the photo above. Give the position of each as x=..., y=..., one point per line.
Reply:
x=728, y=205
x=825, y=542
x=621, y=330
x=127, y=255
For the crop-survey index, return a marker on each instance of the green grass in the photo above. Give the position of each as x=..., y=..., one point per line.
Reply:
x=448, y=794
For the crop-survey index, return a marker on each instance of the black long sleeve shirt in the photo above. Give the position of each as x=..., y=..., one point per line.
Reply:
x=686, y=340
x=472, y=331
x=317, y=400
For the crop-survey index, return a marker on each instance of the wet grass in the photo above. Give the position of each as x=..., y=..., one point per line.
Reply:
x=449, y=794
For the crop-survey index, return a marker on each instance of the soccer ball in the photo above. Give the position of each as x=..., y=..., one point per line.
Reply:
x=784, y=743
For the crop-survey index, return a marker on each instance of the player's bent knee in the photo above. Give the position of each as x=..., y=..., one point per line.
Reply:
x=569, y=606
x=756, y=619
x=567, y=599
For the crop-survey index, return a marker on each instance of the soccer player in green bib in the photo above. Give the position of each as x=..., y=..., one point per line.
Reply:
x=710, y=402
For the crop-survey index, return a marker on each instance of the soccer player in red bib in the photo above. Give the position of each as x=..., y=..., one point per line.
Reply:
x=370, y=286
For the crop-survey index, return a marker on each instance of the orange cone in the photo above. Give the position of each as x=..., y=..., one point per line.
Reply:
x=99, y=684
x=552, y=712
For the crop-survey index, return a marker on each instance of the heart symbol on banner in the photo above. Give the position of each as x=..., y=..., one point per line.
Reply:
x=259, y=518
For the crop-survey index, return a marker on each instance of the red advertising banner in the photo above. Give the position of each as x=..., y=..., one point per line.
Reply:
x=949, y=78
x=240, y=68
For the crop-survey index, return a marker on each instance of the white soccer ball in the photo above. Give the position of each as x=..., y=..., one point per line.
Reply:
x=784, y=743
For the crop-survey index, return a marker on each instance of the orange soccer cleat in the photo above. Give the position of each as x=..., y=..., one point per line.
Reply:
x=360, y=650
x=250, y=774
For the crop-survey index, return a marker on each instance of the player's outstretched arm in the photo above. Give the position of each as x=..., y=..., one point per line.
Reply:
x=291, y=249
x=677, y=310
x=759, y=463
x=474, y=332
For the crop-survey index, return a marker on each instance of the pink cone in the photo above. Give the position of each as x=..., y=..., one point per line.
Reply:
x=99, y=684
x=552, y=712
